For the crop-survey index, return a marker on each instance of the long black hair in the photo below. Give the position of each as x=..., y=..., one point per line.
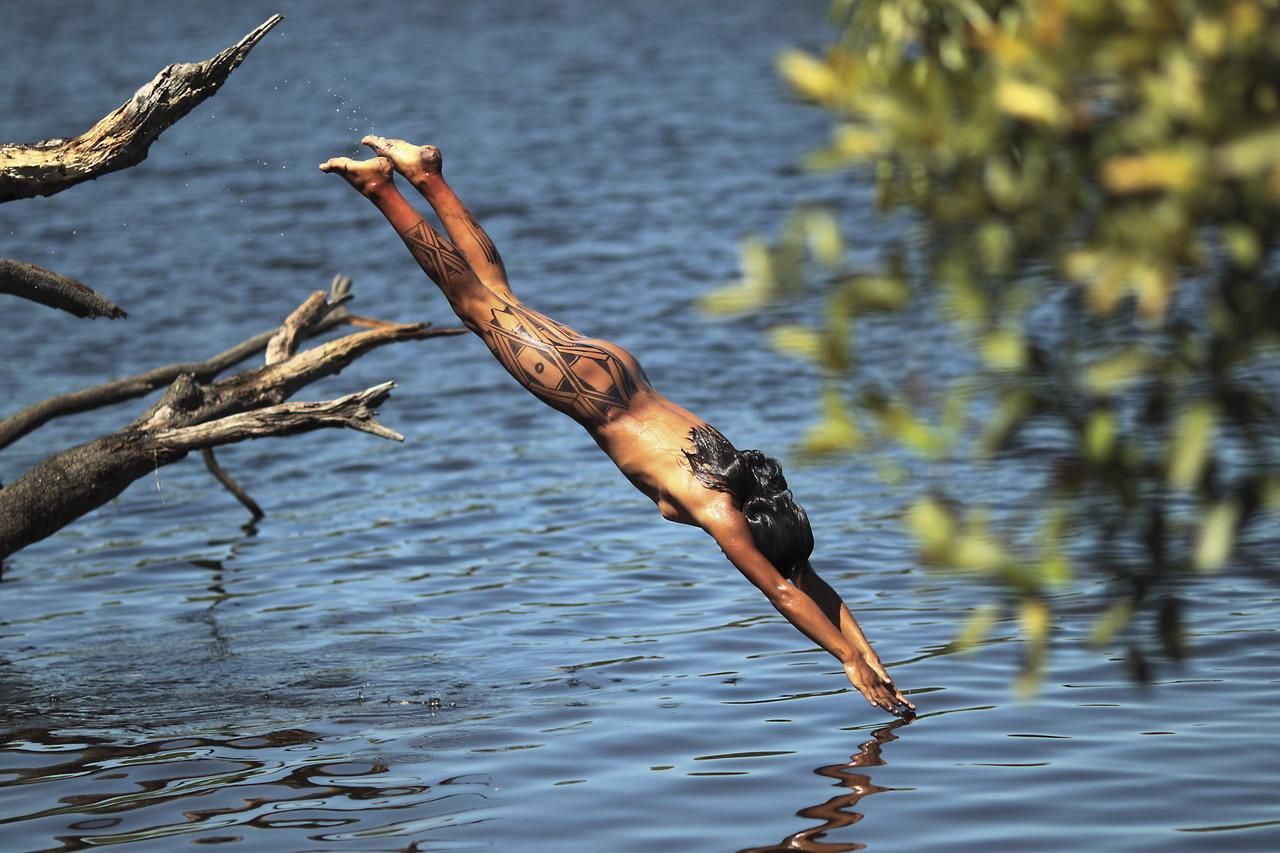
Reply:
x=779, y=526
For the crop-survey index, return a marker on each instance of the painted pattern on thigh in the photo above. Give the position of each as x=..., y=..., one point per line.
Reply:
x=564, y=369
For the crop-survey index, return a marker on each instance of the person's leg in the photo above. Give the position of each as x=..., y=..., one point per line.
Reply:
x=421, y=165
x=584, y=378
x=439, y=259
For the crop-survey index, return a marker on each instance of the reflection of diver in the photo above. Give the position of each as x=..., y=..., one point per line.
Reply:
x=681, y=462
x=834, y=812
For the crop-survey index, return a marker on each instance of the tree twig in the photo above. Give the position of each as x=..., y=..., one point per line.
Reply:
x=122, y=138
x=56, y=291
x=284, y=342
x=229, y=483
x=36, y=415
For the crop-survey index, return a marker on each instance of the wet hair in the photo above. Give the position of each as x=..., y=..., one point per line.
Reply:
x=779, y=526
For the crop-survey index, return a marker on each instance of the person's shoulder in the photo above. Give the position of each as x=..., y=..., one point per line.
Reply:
x=716, y=513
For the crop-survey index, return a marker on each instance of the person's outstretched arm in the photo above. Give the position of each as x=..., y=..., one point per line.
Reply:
x=833, y=606
x=801, y=610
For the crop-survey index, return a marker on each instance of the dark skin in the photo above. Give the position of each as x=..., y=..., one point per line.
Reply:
x=603, y=388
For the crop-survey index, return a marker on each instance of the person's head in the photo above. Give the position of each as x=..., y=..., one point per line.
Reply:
x=779, y=526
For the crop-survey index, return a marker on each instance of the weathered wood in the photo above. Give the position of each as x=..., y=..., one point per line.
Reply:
x=122, y=138
x=187, y=402
x=194, y=416
x=36, y=415
x=284, y=342
x=65, y=486
x=56, y=291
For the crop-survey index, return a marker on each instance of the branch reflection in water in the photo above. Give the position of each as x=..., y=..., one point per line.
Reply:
x=837, y=812
x=210, y=790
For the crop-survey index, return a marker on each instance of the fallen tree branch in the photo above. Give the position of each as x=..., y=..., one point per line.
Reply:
x=36, y=415
x=122, y=138
x=354, y=411
x=65, y=486
x=186, y=402
x=56, y=291
x=195, y=416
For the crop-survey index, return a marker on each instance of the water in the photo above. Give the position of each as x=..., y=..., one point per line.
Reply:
x=484, y=638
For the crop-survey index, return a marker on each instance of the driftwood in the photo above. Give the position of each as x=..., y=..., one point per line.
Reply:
x=122, y=138
x=198, y=411
x=194, y=416
x=117, y=141
x=56, y=291
x=36, y=415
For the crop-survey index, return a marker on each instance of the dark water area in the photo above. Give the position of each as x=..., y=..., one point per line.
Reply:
x=483, y=638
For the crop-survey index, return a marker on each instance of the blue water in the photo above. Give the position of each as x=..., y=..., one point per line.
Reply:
x=483, y=638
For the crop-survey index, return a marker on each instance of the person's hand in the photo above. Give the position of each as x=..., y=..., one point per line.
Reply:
x=878, y=688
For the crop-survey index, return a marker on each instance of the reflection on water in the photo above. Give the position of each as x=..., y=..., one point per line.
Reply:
x=483, y=638
x=214, y=791
x=837, y=812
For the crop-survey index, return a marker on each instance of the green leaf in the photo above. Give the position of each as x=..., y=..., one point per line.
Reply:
x=1242, y=245
x=1034, y=616
x=1004, y=350
x=1217, y=536
x=934, y=526
x=1118, y=371
x=809, y=76
x=977, y=552
x=836, y=432
x=1015, y=407
x=977, y=626
x=1100, y=436
x=1190, y=444
x=795, y=340
x=756, y=263
x=1030, y=102
x=822, y=233
x=756, y=287
x=1114, y=619
x=734, y=299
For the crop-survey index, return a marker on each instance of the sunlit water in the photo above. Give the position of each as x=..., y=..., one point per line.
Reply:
x=483, y=638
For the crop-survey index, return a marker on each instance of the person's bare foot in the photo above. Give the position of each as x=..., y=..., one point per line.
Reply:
x=367, y=176
x=415, y=162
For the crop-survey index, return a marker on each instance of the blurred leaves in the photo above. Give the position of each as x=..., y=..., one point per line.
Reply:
x=1097, y=188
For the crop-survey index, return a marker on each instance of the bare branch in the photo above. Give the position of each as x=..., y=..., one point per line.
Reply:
x=57, y=291
x=284, y=342
x=229, y=483
x=65, y=486
x=272, y=384
x=129, y=388
x=121, y=139
x=354, y=411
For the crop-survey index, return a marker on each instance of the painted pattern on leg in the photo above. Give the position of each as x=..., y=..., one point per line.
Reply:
x=567, y=371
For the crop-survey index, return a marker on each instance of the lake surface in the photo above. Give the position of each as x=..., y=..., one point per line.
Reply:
x=483, y=638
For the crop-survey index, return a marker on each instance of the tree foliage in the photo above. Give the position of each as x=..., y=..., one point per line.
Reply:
x=1093, y=189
